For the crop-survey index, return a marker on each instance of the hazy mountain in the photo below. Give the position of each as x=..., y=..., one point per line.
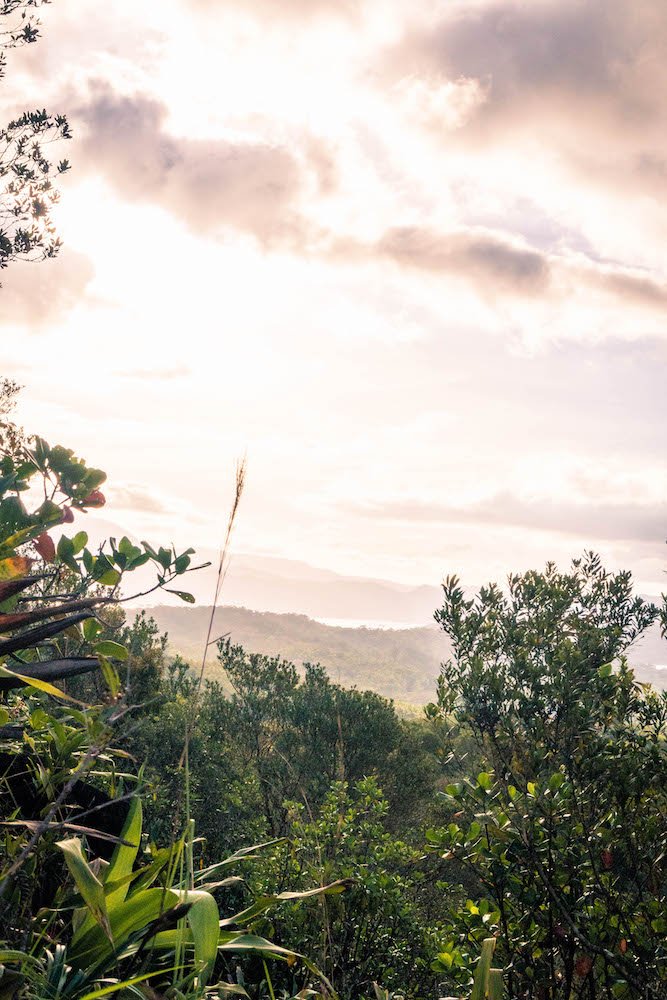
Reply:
x=286, y=586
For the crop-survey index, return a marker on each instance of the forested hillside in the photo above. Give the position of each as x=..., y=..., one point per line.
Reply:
x=402, y=664
x=398, y=663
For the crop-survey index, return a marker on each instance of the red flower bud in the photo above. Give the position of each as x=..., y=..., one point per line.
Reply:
x=94, y=499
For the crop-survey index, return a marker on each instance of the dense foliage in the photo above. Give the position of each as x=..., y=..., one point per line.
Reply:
x=563, y=829
x=548, y=832
x=87, y=906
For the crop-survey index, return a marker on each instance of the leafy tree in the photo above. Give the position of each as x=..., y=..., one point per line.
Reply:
x=27, y=231
x=302, y=733
x=564, y=828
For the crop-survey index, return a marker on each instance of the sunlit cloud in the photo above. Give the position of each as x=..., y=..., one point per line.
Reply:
x=409, y=257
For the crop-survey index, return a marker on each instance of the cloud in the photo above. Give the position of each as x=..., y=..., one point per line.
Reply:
x=149, y=374
x=496, y=263
x=39, y=294
x=571, y=71
x=634, y=288
x=209, y=184
x=286, y=9
x=478, y=255
x=600, y=520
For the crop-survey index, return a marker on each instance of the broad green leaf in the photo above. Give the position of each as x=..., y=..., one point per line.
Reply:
x=86, y=881
x=79, y=541
x=203, y=918
x=104, y=991
x=110, y=674
x=91, y=629
x=123, y=858
x=481, y=981
x=184, y=596
x=263, y=903
x=11, y=955
x=181, y=564
x=496, y=986
x=127, y=918
x=109, y=648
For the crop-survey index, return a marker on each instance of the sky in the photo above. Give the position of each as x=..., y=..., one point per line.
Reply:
x=408, y=258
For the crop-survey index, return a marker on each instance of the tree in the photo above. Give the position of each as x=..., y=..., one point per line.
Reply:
x=27, y=231
x=563, y=830
x=302, y=733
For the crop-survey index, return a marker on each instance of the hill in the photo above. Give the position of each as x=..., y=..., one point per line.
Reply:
x=399, y=663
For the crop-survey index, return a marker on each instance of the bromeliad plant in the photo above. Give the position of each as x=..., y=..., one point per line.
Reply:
x=121, y=928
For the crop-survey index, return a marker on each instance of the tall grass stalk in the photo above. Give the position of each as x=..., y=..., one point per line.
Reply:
x=223, y=564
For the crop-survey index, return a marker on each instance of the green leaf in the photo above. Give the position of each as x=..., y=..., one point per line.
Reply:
x=39, y=719
x=110, y=674
x=182, y=594
x=484, y=780
x=203, y=918
x=109, y=648
x=555, y=781
x=127, y=918
x=11, y=955
x=481, y=980
x=496, y=987
x=91, y=629
x=65, y=551
x=181, y=564
x=4, y=716
x=79, y=541
x=105, y=991
x=86, y=881
x=39, y=685
x=123, y=858
x=164, y=558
